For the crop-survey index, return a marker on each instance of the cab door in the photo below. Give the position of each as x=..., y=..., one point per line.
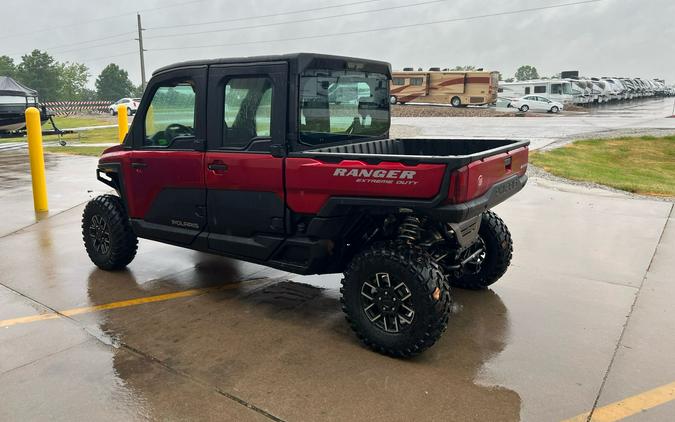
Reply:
x=166, y=190
x=244, y=158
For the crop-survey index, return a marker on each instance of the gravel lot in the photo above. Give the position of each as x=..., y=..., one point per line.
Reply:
x=447, y=111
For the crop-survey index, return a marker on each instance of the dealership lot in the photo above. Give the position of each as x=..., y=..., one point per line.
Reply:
x=584, y=314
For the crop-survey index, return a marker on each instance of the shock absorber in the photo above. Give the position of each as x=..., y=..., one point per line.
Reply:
x=410, y=229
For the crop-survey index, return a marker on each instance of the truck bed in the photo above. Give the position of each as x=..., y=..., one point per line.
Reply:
x=454, y=152
x=406, y=172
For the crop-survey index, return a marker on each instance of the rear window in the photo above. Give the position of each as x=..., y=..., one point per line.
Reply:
x=339, y=105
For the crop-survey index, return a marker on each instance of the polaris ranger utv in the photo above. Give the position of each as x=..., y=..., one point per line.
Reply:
x=286, y=161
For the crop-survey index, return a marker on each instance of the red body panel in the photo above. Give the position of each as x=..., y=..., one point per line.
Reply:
x=475, y=179
x=246, y=172
x=164, y=169
x=309, y=182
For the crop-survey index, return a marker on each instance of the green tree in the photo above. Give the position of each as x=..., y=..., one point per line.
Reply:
x=465, y=67
x=89, y=95
x=7, y=66
x=39, y=71
x=113, y=83
x=526, y=72
x=73, y=81
x=508, y=80
x=138, y=91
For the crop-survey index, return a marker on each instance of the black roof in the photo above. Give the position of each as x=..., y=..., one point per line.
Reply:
x=9, y=86
x=301, y=60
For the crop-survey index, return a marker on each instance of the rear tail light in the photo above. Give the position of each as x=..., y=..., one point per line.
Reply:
x=459, y=186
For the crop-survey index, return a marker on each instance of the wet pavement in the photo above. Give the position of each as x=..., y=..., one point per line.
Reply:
x=584, y=315
x=544, y=129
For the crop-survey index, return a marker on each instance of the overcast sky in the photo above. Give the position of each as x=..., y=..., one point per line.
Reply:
x=605, y=38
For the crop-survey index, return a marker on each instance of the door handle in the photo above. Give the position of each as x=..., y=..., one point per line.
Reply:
x=138, y=164
x=217, y=166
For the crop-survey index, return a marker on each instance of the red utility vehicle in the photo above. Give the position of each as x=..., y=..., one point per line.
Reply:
x=286, y=161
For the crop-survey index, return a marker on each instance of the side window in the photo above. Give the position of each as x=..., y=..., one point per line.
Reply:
x=398, y=81
x=540, y=89
x=416, y=81
x=171, y=114
x=247, y=111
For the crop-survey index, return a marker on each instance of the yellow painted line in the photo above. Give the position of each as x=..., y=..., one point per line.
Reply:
x=112, y=305
x=630, y=406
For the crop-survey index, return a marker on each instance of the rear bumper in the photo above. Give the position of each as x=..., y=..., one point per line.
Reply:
x=454, y=213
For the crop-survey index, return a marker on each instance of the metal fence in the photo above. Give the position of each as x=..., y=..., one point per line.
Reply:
x=65, y=108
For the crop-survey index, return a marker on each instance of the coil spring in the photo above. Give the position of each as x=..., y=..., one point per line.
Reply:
x=410, y=230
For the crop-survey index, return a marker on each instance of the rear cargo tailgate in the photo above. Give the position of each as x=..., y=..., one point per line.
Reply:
x=479, y=176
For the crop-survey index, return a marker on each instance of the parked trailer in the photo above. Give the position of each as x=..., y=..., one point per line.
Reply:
x=444, y=87
x=553, y=89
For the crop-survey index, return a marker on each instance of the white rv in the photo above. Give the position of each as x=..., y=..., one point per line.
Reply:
x=553, y=89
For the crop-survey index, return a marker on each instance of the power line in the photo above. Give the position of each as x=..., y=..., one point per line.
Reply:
x=80, y=23
x=389, y=28
x=237, y=28
x=97, y=45
x=112, y=57
x=56, y=47
x=245, y=18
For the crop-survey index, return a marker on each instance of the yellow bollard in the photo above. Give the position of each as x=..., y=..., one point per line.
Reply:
x=122, y=122
x=150, y=120
x=37, y=159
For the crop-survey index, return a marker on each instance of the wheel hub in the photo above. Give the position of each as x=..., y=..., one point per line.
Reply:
x=99, y=234
x=387, y=304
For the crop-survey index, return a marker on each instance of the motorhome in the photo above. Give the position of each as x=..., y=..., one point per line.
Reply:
x=553, y=89
x=458, y=88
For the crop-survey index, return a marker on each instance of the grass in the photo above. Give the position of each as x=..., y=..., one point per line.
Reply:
x=69, y=122
x=643, y=165
x=89, y=151
x=94, y=136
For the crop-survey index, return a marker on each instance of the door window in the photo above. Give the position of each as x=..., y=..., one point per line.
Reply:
x=171, y=115
x=527, y=90
x=247, y=111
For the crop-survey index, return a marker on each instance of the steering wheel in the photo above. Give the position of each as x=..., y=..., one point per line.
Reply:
x=176, y=129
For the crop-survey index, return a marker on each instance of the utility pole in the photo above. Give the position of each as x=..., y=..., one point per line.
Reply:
x=141, y=50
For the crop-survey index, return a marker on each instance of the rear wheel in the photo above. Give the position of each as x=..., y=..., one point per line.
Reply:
x=393, y=99
x=490, y=265
x=524, y=108
x=108, y=238
x=396, y=299
x=455, y=102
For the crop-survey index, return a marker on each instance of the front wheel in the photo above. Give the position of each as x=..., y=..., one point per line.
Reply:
x=489, y=266
x=396, y=299
x=129, y=112
x=455, y=102
x=555, y=109
x=108, y=238
x=393, y=100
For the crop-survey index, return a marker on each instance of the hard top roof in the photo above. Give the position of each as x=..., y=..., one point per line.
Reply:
x=302, y=60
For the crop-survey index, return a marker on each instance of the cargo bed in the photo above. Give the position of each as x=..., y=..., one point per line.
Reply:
x=454, y=152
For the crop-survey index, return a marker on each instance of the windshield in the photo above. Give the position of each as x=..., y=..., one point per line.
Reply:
x=337, y=105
